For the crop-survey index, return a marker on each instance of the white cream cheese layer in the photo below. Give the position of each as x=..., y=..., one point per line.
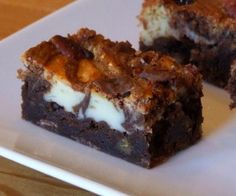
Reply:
x=99, y=107
x=63, y=95
x=158, y=25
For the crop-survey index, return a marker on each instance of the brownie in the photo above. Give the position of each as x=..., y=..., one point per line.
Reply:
x=194, y=31
x=139, y=106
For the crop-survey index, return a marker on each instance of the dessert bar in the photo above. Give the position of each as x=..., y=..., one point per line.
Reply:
x=139, y=106
x=194, y=31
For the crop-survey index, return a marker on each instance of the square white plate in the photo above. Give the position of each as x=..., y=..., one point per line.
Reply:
x=208, y=168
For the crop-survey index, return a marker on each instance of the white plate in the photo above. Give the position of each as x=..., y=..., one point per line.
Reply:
x=208, y=168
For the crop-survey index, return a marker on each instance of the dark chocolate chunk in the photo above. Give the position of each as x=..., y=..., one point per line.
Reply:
x=83, y=105
x=118, y=87
x=70, y=49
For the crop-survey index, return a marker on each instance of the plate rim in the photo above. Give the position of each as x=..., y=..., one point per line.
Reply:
x=58, y=173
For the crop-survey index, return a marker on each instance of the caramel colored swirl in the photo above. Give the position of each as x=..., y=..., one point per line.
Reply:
x=89, y=62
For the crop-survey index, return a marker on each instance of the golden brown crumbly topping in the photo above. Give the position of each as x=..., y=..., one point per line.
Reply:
x=115, y=69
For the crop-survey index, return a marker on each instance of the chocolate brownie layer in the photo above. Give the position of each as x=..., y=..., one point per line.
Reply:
x=179, y=129
x=214, y=62
x=141, y=107
x=200, y=32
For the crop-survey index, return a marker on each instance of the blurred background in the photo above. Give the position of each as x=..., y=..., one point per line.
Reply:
x=16, y=14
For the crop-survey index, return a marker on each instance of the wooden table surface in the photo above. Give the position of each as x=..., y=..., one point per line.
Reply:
x=17, y=180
